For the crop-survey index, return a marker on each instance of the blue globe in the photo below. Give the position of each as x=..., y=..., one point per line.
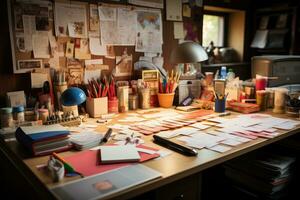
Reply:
x=73, y=96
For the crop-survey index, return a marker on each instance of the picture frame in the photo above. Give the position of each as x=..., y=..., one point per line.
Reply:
x=29, y=65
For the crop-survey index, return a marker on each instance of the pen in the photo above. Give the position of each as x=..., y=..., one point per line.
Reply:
x=174, y=146
x=106, y=136
x=98, y=157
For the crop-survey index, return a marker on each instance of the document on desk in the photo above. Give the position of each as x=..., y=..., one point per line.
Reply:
x=102, y=185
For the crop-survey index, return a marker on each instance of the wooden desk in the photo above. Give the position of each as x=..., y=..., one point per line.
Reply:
x=173, y=167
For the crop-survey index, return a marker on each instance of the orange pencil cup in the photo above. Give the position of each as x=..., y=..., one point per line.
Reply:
x=165, y=99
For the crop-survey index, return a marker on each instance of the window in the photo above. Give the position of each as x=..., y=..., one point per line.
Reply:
x=213, y=30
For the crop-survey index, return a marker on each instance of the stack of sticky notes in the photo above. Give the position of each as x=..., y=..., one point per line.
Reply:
x=120, y=153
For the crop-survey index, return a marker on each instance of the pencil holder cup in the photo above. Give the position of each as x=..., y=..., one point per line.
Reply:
x=220, y=105
x=165, y=100
x=96, y=106
x=113, y=105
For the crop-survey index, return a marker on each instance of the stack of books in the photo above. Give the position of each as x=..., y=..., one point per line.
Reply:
x=266, y=175
x=44, y=139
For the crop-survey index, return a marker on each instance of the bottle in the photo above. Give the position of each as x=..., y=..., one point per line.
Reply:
x=223, y=72
x=230, y=75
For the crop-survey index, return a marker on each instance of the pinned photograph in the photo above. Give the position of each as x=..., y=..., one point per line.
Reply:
x=77, y=29
x=75, y=76
x=124, y=64
x=20, y=42
x=70, y=50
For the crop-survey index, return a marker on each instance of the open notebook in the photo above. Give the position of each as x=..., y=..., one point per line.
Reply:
x=118, y=154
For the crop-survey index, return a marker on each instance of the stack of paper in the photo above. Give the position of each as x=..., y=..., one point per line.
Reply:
x=85, y=140
x=117, y=154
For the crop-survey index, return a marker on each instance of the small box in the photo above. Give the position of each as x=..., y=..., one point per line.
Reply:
x=96, y=106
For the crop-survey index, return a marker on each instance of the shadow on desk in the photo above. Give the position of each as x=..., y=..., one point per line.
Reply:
x=17, y=181
x=250, y=180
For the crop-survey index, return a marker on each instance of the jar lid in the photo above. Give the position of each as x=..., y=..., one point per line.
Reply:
x=6, y=110
x=43, y=110
x=18, y=109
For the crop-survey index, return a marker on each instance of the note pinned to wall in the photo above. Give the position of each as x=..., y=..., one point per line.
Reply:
x=38, y=79
x=73, y=14
x=40, y=44
x=96, y=48
x=178, y=30
x=186, y=10
x=174, y=10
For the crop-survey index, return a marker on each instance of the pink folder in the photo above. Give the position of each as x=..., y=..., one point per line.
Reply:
x=85, y=162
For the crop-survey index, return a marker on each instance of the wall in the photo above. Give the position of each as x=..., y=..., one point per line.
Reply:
x=236, y=30
x=8, y=81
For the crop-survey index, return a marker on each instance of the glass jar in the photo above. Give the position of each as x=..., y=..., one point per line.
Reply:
x=6, y=117
x=18, y=114
x=43, y=115
x=144, y=98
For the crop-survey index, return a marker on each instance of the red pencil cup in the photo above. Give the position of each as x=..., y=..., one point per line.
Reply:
x=261, y=83
x=113, y=105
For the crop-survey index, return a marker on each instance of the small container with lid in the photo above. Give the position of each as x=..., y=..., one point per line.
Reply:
x=6, y=117
x=230, y=75
x=43, y=115
x=18, y=114
x=133, y=102
x=223, y=72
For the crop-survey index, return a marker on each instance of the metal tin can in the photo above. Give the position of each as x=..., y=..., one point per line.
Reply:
x=133, y=102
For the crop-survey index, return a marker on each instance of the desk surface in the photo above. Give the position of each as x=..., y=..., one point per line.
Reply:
x=172, y=167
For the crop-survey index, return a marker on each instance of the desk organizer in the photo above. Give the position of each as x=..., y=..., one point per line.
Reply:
x=97, y=106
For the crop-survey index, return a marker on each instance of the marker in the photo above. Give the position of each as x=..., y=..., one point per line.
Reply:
x=106, y=136
x=174, y=146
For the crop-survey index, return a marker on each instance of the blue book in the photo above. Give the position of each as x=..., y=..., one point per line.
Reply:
x=45, y=138
x=37, y=133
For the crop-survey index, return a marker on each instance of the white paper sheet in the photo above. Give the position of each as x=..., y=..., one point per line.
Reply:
x=148, y=3
x=29, y=29
x=178, y=30
x=220, y=148
x=94, y=18
x=126, y=26
x=90, y=74
x=174, y=10
x=96, y=48
x=40, y=44
x=149, y=31
x=66, y=13
x=107, y=13
x=38, y=79
x=120, y=30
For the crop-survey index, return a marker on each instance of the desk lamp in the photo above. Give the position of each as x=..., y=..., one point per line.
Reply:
x=71, y=98
x=188, y=52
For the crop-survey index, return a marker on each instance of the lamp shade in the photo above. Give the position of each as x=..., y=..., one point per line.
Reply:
x=188, y=52
x=73, y=96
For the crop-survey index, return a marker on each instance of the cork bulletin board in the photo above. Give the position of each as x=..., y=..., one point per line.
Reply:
x=33, y=21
